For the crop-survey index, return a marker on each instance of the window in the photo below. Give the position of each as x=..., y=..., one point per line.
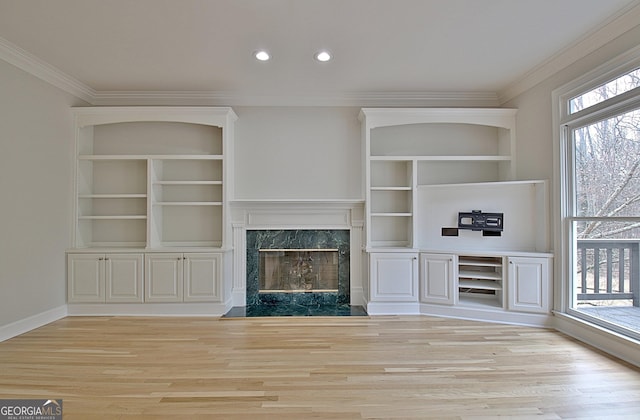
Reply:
x=600, y=142
x=618, y=86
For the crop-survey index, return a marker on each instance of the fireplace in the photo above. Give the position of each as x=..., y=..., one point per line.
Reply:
x=298, y=270
x=305, y=267
x=297, y=224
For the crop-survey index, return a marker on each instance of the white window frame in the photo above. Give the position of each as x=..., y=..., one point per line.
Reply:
x=564, y=123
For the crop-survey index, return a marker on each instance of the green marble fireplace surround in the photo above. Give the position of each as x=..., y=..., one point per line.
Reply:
x=302, y=239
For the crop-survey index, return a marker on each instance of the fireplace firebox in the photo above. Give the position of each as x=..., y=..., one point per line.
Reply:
x=298, y=270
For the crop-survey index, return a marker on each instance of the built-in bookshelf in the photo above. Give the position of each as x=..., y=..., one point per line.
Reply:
x=152, y=177
x=406, y=148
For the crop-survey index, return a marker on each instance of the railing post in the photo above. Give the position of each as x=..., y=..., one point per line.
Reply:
x=635, y=273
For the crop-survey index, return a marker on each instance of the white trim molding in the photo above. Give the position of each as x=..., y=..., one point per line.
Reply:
x=35, y=321
x=204, y=309
x=615, y=344
x=31, y=64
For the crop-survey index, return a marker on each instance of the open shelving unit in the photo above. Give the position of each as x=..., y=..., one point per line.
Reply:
x=152, y=177
x=480, y=280
x=183, y=189
x=406, y=148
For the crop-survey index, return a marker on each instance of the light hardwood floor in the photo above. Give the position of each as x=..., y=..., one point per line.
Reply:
x=302, y=368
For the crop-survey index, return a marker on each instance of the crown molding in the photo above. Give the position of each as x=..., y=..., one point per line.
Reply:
x=617, y=25
x=221, y=98
x=31, y=64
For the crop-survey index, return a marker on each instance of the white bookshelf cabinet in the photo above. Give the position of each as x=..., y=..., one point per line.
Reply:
x=422, y=166
x=151, y=180
x=406, y=148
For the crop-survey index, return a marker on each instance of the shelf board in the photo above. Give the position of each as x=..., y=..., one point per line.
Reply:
x=186, y=157
x=468, y=274
x=478, y=300
x=112, y=196
x=478, y=263
x=391, y=188
x=112, y=157
x=120, y=217
x=153, y=157
x=391, y=214
x=385, y=246
x=203, y=245
x=444, y=158
x=479, y=284
x=188, y=203
x=187, y=183
x=110, y=246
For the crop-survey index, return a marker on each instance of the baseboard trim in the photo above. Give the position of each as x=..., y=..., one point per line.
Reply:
x=393, y=308
x=35, y=321
x=149, y=309
x=488, y=315
x=612, y=343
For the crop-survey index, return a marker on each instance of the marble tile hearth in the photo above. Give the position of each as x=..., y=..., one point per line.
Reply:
x=295, y=310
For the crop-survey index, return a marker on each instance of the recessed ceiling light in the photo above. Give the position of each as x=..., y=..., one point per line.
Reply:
x=323, y=56
x=262, y=55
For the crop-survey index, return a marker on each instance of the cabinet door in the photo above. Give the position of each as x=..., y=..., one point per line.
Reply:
x=436, y=278
x=202, y=275
x=85, y=278
x=123, y=273
x=163, y=277
x=393, y=277
x=528, y=284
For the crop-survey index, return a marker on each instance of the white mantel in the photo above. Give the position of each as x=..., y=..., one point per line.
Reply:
x=296, y=214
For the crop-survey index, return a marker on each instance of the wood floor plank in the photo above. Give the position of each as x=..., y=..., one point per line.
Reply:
x=304, y=368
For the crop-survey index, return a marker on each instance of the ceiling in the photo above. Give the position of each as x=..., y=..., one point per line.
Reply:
x=380, y=46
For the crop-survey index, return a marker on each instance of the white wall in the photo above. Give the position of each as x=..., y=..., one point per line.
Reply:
x=36, y=134
x=297, y=153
